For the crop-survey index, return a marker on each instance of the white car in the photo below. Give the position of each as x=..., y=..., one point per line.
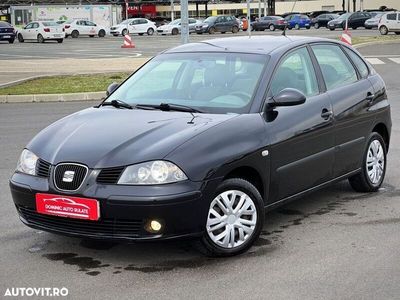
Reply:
x=389, y=22
x=174, y=27
x=134, y=26
x=41, y=31
x=76, y=28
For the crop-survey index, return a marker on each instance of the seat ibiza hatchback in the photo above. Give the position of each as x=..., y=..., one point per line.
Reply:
x=204, y=138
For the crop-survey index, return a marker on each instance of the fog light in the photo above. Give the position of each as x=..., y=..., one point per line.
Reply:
x=153, y=226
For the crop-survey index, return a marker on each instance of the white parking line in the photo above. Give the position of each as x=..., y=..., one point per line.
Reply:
x=375, y=61
x=395, y=59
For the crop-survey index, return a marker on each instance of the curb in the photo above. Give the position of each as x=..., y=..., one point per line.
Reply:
x=376, y=42
x=52, y=97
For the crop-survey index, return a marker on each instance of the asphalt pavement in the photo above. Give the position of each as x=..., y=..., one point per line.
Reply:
x=333, y=244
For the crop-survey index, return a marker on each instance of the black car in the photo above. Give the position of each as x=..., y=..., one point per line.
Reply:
x=322, y=20
x=218, y=24
x=204, y=138
x=269, y=22
x=7, y=32
x=355, y=20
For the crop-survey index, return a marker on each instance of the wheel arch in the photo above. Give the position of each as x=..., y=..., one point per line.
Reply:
x=249, y=174
x=382, y=129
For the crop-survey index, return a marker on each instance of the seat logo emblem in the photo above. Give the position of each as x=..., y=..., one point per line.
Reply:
x=68, y=176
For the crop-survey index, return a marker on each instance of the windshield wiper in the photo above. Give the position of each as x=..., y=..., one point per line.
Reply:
x=168, y=107
x=117, y=104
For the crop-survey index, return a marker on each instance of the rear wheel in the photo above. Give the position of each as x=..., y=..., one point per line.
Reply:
x=175, y=31
x=308, y=27
x=234, y=220
x=150, y=31
x=20, y=38
x=102, y=33
x=75, y=34
x=297, y=26
x=211, y=30
x=332, y=29
x=40, y=38
x=272, y=27
x=11, y=41
x=316, y=25
x=397, y=33
x=373, y=168
x=60, y=41
x=141, y=33
x=383, y=30
x=92, y=36
x=354, y=27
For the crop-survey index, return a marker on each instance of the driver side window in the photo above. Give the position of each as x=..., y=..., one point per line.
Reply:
x=295, y=71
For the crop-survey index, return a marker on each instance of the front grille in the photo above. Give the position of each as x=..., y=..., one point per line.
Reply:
x=106, y=227
x=43, y=168
x=110, y=175
x=61, y=180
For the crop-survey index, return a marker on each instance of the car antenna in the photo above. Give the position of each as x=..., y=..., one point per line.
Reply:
x=284, y=29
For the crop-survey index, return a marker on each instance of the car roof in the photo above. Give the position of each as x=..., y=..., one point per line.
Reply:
x=255, y=44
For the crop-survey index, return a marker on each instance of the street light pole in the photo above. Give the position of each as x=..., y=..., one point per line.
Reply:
x=248, y=18
x=184, y=21
x=172, y=10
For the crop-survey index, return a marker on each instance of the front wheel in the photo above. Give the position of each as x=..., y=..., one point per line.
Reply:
x=235, y=29
x=211, y=30
x=316, y=25
x=175, y=31
x=272, y=27
x=124, y=32
x=234, y=220
x=60, y=41
x=373, y=168
x=11, y=41
x=75, y=34
x=150, y=31
x=20, y=38
x=297, y=26
x=102, y=33
x=331, y=29
x=383, y=30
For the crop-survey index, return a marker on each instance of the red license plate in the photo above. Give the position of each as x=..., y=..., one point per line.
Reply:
x=66, y=206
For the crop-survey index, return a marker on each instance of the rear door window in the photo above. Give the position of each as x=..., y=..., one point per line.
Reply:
x=391, y=17
x=336, y=68
x=360, y=64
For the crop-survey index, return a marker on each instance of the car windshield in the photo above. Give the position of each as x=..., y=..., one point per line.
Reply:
x=4, y=24
x=210, y=19
x=127, y=21
x=176, y=22
x=208, y=82
x=344, y=16
x=376, y=15
x=49, y=24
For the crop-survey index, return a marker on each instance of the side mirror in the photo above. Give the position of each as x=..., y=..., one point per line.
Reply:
x=111, y=88
x=288, y=97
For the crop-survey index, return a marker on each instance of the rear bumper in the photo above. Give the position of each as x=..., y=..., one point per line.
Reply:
x=124, y=211
x=7, y=36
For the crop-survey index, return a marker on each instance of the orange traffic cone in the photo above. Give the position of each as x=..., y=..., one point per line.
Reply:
x=346, y=37
x=128, y=43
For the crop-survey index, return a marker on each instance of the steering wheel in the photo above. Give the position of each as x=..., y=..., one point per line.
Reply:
x=245, y=97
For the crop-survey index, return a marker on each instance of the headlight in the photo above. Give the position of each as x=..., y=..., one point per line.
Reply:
x=27, y=162
x=152, y=172
x=205, y=25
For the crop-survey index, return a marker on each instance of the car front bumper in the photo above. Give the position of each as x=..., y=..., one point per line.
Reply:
x=124, y=210
x=202, y=30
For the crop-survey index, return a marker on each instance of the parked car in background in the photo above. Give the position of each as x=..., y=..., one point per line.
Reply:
x=269, y=22
x=317, y=13
x=355, y=20
x=322, y=20
x=41, y=31
x=298, y=21
x=174, y=27
x=7, y=32
x=214, y=134
x=390, y=22
x=76, y=28
x=218, y=24
x=138, y=26
x=373, y=22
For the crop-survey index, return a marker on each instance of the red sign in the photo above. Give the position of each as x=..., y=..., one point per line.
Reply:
x=70, y=207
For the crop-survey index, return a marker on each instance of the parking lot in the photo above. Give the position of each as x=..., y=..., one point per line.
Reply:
x=334, y=244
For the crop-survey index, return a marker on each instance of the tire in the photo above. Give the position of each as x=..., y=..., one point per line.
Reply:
x=124, y=32
x=150, y=31
x=316, y=25
x=102, y=33
x=141, y=33
x=11, y=41
x=397, y=33
x=308, y=27
x=354, y=27
x=209, y=243
x=91, y=36
x=60, y=41
x=272, y=27
x=383, y=30
x=211, y=30
x=375, y=156
x=175, y=31
x=115, y=34
x=223, y=32
x=235, y=29
x=331, y=29
x=297, y=27
x=40, y=38
x=20, y=38
x=75, y=34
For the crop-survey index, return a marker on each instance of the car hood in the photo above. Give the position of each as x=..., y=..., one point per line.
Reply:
x=109, y=137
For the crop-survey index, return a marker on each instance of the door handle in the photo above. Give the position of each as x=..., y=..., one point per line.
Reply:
x=370, y=97
x=326, y=114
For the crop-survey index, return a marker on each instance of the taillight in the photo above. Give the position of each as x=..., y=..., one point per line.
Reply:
x=46, y=30
x=281, y=21
x=67, y=26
